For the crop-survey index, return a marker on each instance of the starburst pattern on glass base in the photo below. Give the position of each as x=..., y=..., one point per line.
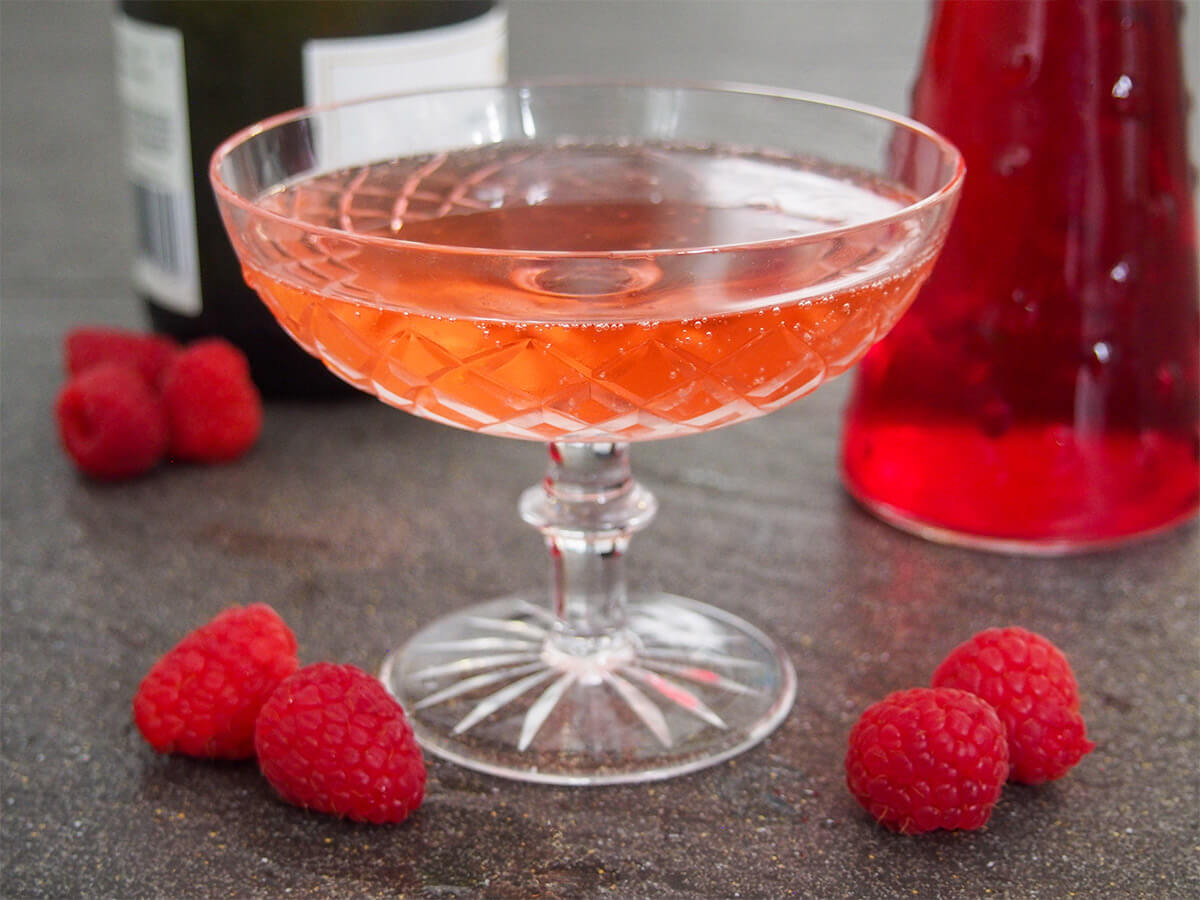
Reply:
x=684, y=679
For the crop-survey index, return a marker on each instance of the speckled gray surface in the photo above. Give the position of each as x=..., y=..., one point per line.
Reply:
x=359, y=523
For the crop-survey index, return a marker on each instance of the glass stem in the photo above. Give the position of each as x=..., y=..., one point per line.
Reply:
x=587, y=507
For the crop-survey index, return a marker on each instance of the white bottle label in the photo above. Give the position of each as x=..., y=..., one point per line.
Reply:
x=336, y=70
x=153, y=95
x=465, y=54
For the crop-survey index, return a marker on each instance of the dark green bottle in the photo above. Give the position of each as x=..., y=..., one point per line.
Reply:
x=191, y=72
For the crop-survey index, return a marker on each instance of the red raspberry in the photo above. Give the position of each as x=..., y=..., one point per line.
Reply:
x=202, y=697
x=1032, y=688
x=148, y=353
x=214, y=412
x=332, y=739
x=927, y=758
x=111, y=423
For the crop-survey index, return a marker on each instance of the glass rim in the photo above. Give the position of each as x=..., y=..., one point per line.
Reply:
x=946, y=190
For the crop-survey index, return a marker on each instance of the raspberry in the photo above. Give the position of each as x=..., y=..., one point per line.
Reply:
x=149, y=354
x=1032, y=688
x=214, y=412
x=928, y=758
x=111, y=423
x=201, y=698
x=333, y=740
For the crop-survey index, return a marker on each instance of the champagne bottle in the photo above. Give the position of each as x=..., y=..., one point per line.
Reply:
x=191, y=72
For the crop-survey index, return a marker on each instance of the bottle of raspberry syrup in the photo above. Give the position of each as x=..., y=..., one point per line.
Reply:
x=1041, y=394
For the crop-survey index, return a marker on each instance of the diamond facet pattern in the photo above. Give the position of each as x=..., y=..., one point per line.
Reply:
x=679, y=673
x=628, y=381
x=582, y=345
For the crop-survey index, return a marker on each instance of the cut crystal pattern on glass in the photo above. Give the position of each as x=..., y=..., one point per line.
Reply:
x=685, y=678
x=534, y=389
x=589, y=347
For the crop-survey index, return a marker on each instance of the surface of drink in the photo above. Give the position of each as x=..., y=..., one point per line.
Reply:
x=193, y=71
x=1041, y=394
x=589, y=292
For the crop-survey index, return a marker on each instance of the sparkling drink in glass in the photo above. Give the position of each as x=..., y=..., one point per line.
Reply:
x=588, y=266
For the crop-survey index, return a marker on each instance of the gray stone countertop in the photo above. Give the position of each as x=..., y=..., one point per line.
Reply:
x=359, y=524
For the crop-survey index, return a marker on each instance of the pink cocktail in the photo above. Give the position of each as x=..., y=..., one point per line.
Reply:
x=504, y=261
x=620, y=346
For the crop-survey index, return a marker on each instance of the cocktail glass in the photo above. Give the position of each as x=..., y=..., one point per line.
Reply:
x=588, y=266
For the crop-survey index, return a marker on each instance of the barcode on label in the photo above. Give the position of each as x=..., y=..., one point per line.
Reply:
x=161, y=234
x=158, y=160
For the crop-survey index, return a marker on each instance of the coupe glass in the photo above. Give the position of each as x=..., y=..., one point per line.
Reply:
x=588, y=266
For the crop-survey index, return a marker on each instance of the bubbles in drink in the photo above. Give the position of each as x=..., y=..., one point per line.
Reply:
x=587, y=292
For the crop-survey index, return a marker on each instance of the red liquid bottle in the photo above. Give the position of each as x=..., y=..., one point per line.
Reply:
x=1041, y=394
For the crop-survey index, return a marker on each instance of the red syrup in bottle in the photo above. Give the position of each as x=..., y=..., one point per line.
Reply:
x=1041, y=394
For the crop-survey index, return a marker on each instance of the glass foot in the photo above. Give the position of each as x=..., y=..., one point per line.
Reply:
x=684, y=686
